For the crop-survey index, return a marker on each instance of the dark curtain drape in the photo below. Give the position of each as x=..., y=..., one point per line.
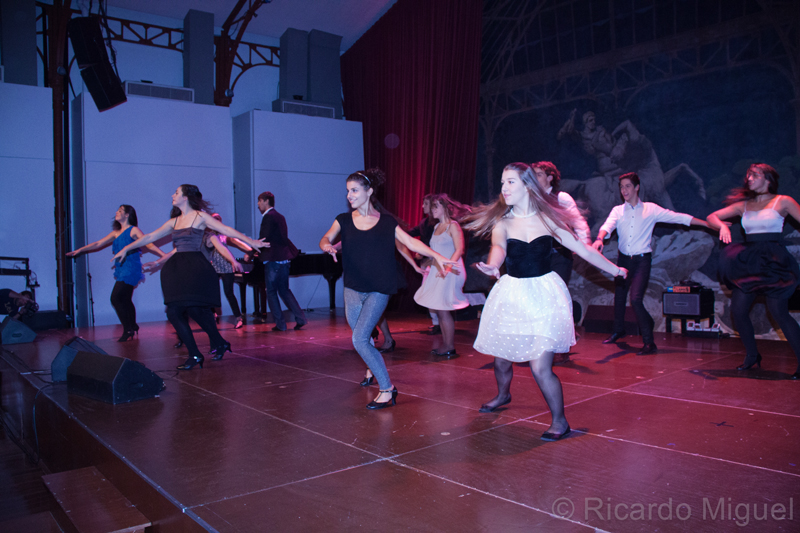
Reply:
x=413, y=80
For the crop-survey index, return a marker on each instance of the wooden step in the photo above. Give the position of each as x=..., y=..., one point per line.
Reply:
x=93, y=504
x=35, y=523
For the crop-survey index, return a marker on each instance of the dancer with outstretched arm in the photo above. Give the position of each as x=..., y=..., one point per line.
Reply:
x=528, y=314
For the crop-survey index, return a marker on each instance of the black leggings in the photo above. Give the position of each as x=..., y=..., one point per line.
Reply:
x=179, y=314
x=227, y=287
x=122, y=300
x=741, y=302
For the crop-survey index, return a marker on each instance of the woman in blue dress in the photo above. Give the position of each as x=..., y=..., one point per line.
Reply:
x=528, y=314
x=188, y=281
x=128, y=273
x=762, y=264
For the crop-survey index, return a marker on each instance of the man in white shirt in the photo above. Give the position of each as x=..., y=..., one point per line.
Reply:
x=634, y=221
x=549, y=178
x=561, y=260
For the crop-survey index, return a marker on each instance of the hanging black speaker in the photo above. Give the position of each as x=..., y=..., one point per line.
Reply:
x=90, y=53
x=104, y=86
x=87, y=41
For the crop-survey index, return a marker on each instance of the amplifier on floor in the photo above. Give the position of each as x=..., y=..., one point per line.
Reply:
x=13, y=331
x=111, y=379
x=65, y=356
x=696, y=304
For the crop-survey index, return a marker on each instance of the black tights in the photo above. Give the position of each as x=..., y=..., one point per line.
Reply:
x=227, y=287
x=122, y=300
x=549, y=384
x=742, y=302
x=179, y=314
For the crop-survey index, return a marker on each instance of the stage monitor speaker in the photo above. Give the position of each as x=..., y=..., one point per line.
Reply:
x=696, y=304
x=111, y=379
x=104, y=86
x=15, y=332
x=87, y=41
x=65, y=356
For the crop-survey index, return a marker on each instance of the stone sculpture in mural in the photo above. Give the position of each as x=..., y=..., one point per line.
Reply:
x=676, y=256
x=623, y=150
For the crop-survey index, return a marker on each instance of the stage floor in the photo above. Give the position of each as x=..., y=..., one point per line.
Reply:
x=276, y=436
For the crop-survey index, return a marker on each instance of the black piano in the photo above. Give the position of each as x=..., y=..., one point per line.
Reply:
x=304, y=264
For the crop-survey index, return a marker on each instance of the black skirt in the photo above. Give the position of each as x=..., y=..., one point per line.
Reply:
x=764, y=267
x=189, y=279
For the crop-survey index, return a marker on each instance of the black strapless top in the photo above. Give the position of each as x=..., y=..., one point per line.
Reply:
x=528, y=259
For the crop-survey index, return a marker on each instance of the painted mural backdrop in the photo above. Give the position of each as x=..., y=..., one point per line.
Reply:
x=687, y=93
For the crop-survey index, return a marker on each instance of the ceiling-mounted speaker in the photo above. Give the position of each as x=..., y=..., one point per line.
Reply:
x=90, y=53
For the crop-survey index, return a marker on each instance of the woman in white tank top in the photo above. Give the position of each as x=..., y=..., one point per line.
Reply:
x=761, y=264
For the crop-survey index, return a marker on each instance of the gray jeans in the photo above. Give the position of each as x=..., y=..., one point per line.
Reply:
x=363, y=310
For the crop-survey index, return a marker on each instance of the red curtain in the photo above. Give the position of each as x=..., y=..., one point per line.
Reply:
x=413, y=80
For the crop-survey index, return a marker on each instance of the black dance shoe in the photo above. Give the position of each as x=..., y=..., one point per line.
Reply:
x=389, y=349
x=449, y=354
x=298, y=327
x=613, y=338
x=388, y=403
x=552, y=437
x=367, y=381
x=178, y=344
x=191, y=362
x=795, y=376
x=219, y=351
x=128, y=335
x=486, y=408
x=750, y=363
x=648, y=348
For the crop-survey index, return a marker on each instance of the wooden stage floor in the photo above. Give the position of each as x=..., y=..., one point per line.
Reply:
x=276, y=436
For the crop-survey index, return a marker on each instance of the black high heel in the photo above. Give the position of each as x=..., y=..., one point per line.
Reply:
x=178, y=344
x=388, y=403
x=389, y=349
x=367, y=381
x=128, y=335
x=191, y=362
x=748, y=363
x=219, y=352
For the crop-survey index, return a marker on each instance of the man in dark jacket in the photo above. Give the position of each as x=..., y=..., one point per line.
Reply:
x=276, y=261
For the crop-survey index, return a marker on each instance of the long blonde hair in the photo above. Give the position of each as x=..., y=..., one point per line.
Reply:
x=485, y=217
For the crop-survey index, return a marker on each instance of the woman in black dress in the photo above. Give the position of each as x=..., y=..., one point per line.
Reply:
x=188, y=280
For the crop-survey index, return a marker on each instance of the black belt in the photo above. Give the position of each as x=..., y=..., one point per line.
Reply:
x=762, y=237
x=648, y=254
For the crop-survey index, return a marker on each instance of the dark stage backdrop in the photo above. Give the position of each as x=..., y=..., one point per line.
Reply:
x=687, y=93
x=413, y=80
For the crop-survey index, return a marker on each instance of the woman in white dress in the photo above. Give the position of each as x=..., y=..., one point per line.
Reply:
x=528, y=314
x=443, y=295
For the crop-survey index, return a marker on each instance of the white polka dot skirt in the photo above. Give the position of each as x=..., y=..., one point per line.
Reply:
x=525, y=317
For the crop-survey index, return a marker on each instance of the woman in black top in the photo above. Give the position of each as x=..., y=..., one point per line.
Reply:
x=368, y=242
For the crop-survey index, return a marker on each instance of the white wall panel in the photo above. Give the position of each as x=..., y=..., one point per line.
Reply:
x=159, y=132
x=298, y=143
x=27, y=203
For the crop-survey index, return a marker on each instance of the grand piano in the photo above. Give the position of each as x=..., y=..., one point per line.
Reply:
x=304, y=264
